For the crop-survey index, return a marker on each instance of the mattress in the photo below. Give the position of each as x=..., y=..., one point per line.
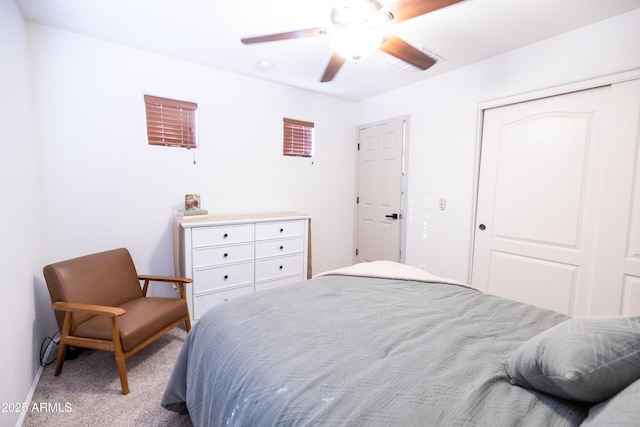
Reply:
x=347, y=350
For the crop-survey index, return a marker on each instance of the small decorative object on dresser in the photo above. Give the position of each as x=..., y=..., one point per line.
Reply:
x=191, y=202
x=230, y=256
x=192, y=209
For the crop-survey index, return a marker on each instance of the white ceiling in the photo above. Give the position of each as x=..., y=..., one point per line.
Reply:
x=209, y=32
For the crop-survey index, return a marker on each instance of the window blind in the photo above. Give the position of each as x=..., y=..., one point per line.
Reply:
x=298, y=138
x=170, y=122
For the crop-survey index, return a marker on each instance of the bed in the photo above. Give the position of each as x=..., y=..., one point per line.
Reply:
x=387, y=344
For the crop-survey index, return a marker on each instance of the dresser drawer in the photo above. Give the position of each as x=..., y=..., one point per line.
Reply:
x=205, y=256
x=270, y=284
x=208, y=279
x=202, y=303
x=280, y=229
x=268, y=248
x=207, y=236
x=271, y=268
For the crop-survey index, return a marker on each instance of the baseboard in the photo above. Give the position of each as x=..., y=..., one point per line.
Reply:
x=32, y=390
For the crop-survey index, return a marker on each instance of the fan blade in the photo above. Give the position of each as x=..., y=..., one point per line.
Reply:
x=407, y=9
x=401, y=49
x=334, y=65
x=311, y=32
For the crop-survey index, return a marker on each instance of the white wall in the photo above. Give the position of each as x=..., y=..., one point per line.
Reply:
x=105, y=187
x=444, y=127
x=22, y=302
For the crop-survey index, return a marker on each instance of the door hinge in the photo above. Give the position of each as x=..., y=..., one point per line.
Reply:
x=356, y=251
x=358, y=146
x=357, y=200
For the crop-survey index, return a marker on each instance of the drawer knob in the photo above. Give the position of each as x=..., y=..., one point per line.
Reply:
x=281, y=247
x=225, y=255
x=225, y=235
x=281, y=230
x=280, y=267
x=226, y=276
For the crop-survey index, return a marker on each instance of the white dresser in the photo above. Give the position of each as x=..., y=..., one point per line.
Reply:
x=229, y=256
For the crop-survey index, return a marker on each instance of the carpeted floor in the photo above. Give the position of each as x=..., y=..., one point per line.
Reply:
x=88, y=392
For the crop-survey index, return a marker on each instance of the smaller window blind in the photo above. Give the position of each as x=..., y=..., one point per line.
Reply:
x=170, y=122
x=298, y=138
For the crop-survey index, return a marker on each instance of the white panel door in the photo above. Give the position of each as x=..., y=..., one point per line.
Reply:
x=538, y=199
x=558, y=214
x=380, y=160
x=616, y=285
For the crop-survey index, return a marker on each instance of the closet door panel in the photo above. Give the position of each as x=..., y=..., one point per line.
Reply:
x=539, y=197
x=616, y=285
x=631, y=264
x=537, y=279
x=631, y=296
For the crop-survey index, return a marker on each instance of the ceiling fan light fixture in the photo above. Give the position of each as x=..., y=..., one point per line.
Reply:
x=348, y=11
x=356, y=41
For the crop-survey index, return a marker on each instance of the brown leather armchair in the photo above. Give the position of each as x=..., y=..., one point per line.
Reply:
x=99, y=304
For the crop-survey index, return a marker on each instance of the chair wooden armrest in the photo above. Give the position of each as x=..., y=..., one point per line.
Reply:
x=164, y=278
x=88, y=308
x=180, y=281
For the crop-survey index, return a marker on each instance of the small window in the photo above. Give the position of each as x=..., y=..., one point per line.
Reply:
x=170, y=122
x=298, y=138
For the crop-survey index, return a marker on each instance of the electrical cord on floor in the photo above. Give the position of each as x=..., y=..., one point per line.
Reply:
x=71, y=353
x=46, y=343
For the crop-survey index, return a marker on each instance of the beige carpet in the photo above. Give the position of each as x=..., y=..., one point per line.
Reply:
x=88, y=393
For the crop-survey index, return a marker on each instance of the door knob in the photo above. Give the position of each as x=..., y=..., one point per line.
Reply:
x=392, y=216
x=482, y=227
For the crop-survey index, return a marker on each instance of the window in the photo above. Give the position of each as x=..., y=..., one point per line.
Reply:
x=297, y=138
x=170, y=122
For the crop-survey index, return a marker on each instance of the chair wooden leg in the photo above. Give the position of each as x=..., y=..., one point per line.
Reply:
x=62, y=353
x=187, y=323
x=62, y=346
x=119, y=355
x=122, y=371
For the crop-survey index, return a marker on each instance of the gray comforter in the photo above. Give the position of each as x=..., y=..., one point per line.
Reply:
x=350, y=351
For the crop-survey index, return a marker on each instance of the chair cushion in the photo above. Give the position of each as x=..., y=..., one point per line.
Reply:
x=143, y=318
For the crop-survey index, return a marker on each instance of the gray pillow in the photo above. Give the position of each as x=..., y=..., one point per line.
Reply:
x=586, y=359
x=622, y=410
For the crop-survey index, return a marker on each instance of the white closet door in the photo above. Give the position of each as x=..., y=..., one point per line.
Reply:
x=558, y=215
x=616, y=282
x=538, y=199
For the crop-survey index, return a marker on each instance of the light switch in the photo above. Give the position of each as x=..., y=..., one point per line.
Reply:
x=443, y=203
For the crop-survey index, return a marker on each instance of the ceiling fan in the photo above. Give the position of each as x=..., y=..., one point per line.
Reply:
x=360, y=27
